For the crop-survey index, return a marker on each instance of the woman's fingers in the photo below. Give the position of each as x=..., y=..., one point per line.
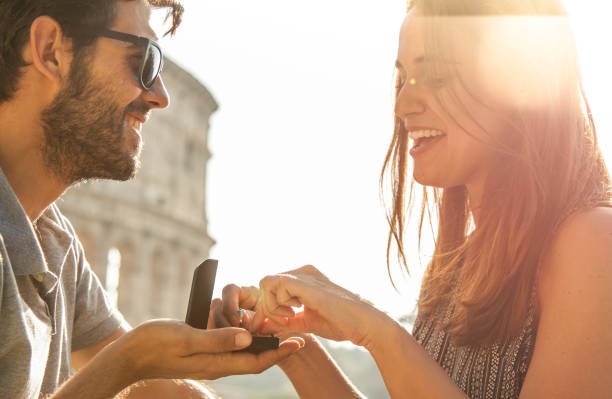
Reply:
x=282, y=311
x=248, y=297
x=247, y=363
x=280, y=293
x=293, y=302
x=275, y=302
x=258, y=317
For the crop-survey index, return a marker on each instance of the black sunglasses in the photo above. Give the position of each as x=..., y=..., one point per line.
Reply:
x=152, y=61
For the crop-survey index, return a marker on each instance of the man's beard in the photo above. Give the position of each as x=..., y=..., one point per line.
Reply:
x=84, y=130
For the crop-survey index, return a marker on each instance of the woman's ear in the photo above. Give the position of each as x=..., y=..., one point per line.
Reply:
x=49, y=53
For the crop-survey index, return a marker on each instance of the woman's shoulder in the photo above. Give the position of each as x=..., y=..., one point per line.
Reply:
x=585, y=229
x=574, y=333
x=580, y=253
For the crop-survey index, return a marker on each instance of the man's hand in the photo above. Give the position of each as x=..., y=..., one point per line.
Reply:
x=170, y=349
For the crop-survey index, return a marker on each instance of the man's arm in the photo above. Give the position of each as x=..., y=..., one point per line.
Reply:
x=82, y=357
x=166, y=349
x=148, y=389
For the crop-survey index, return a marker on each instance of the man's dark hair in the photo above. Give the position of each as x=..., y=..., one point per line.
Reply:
x=74, y=16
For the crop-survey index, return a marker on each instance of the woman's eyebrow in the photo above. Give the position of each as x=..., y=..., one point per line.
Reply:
x=434, y=60
x=417, y=60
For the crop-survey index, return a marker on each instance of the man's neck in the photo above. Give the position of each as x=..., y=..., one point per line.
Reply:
x=34, y=190
x=21, y=160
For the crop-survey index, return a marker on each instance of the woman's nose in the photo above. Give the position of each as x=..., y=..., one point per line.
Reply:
x=409, y=102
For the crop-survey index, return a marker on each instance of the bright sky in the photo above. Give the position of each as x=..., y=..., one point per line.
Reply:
x=305, y=93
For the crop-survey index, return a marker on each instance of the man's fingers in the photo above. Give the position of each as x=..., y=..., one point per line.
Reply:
x=216, y=341
x=223, y=364
x=262, y=361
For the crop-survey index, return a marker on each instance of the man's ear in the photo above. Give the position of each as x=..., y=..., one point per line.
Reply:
x=49, y=52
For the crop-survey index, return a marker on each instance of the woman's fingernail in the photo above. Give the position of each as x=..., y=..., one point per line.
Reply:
x=242, y=339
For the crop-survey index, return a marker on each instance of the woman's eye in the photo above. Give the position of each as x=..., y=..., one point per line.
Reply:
x=436, y=83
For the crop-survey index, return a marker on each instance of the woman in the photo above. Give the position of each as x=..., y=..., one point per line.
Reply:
x=515, y=301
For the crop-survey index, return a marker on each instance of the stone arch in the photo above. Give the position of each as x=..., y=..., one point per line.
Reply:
x=90, y=250
x=113, y=267
x=184, y=272
x=95, y=252
x=129, y=276
x=87, y=241
x=158, y=283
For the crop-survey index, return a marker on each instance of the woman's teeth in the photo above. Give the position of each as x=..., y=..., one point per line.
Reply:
x=423, y=137
x=417, y=134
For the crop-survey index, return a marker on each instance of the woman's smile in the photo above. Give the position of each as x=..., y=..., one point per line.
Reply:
x=424, y=140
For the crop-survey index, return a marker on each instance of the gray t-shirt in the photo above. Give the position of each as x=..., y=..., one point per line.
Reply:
x=51, y=303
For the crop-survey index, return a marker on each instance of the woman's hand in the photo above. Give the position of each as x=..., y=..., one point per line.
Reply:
x=310, y=364
x=236, y=309
x=329, y=310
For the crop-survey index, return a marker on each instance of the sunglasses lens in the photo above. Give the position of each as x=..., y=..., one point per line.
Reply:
x=151, y=67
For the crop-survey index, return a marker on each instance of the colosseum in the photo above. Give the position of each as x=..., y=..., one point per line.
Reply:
x=143, y=238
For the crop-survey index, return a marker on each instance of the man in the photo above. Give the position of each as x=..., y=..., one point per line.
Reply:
x=79, y=79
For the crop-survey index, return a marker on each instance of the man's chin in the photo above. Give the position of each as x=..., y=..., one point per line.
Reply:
x=121, y=171
x=126, y=173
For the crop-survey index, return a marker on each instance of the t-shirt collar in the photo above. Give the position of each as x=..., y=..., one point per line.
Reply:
x=25, y=253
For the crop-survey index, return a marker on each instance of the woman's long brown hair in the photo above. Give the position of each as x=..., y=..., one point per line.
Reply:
x=548, y=165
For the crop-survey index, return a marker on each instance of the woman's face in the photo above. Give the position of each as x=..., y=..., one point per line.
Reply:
x=451, y=156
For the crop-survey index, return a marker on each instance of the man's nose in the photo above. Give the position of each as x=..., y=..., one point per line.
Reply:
x=157, y=96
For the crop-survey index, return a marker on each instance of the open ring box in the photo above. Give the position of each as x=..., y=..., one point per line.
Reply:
x=199, y=306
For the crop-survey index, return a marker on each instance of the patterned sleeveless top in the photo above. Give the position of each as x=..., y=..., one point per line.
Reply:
x=494, y=371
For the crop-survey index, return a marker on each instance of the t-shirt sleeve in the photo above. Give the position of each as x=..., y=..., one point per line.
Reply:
x=95, y=318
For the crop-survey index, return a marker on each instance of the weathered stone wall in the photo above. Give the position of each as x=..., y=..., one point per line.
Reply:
x=157, y=221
